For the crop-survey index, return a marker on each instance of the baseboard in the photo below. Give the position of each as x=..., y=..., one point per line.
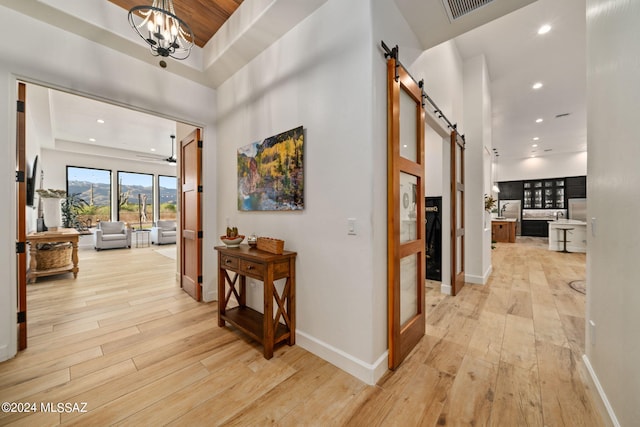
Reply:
x=4, y=353
x=478, y=280
x=365, y=372
x=210, y=296
x=601, y=393
x=445, y=289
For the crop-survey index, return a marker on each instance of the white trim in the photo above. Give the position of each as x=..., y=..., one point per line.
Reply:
x=4, y=353
x=601, y=392
x=445, y=289
x=366, y=372
x=211, y=295
x=478, y=280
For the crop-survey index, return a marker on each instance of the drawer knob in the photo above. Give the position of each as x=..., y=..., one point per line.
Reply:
x=250, y=267
x=228, y=261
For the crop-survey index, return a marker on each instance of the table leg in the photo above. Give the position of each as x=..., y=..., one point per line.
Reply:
x=33, y=266
x=74, y=258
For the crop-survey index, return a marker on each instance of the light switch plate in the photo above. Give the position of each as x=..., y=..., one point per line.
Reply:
x=351, y=226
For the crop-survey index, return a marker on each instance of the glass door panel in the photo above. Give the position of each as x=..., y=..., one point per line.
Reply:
x=408, y=207
x=408, y=127
x=408, y=288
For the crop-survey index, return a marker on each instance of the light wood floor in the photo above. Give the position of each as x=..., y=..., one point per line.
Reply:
x=127, y=341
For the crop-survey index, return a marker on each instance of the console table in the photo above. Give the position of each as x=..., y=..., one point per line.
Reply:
x=62, y=235
x=243, y=262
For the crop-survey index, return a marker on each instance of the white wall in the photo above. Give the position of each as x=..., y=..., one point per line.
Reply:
x=319, y=76
x=552, y=166
x=71, y=62
x=613, y=180
x=477, y=129
x=441, y=69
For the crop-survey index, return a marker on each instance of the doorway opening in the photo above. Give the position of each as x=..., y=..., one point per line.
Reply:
x=85, y=148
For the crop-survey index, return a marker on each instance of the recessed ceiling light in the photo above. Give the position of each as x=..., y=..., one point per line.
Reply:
x=537, y=85
x=544, y=29
x=534, y=145
x=404, y=146
x=535, y=138
x=153, y=149
x=100, y=121
x=539, y=120
x=533, y=155
x=92, y=139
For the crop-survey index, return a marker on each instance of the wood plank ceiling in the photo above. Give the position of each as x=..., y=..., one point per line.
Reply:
x=204, y=17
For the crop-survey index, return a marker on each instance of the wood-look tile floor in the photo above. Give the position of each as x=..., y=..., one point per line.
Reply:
x=125, y=340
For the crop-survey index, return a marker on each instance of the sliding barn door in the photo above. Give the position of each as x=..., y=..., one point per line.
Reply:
x=405, y=213
x=457, y=213
x=21, y=213
x=190, y=215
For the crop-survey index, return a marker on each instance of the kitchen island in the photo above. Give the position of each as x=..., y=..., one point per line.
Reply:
x=503, y=230
x=576, y=235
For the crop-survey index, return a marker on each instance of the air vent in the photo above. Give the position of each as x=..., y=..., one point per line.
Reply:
x=458, y=8
x=562, y=115
x=548, y=149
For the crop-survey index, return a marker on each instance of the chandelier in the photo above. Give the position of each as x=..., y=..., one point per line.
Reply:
x=162, y=30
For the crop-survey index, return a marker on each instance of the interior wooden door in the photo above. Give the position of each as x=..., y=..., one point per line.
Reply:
x=405, y=213
x=21, y=212
x=190, y=215
x=457, y=213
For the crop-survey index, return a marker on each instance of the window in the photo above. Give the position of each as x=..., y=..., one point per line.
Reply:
x=168, y=193
x=93, y=186
x=135, y=199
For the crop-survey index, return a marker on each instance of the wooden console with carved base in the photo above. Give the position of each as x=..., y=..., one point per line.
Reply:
x=267, y=267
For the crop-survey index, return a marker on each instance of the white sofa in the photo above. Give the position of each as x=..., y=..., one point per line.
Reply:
x=110, y=235
x=163, y=232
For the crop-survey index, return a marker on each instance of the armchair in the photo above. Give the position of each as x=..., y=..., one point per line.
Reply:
x=163, y=232
x=110, y=235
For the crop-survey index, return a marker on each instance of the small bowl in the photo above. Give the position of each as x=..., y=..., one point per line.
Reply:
x=232, y=242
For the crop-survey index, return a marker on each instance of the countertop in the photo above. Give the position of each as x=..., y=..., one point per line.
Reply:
x=567, y=222
x=503, y=220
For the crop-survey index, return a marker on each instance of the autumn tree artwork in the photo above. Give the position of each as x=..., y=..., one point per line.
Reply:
x=271, y=173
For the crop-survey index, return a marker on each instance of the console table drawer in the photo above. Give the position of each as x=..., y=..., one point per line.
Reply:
x=229, y=262
x=251, y=268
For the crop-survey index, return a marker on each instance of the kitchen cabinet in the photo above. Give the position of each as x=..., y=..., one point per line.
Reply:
x=503, y=231
x=510, y=190
x=576, y=187
x=544, y=194
x=535, y=227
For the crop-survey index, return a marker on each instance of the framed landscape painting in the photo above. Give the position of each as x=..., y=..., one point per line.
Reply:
x=271, y=173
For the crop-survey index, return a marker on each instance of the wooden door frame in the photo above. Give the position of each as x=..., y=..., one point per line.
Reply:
x=21, y=222
x=28, y=81
x=403, y=337
x=457, y=279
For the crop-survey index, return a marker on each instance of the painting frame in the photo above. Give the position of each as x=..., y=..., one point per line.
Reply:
x=271, y=173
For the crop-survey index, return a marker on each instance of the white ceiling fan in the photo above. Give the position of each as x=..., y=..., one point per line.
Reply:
x=172, y=159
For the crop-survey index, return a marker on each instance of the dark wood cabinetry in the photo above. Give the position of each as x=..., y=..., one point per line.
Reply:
x=544, y=194
x=535, y=228
x=576, y=187
x=510, y=190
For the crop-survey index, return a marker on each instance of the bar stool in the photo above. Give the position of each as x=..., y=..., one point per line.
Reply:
x=564, y=237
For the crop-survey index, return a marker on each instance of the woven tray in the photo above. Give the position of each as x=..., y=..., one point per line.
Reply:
x=269, y=244
x=55, y=257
